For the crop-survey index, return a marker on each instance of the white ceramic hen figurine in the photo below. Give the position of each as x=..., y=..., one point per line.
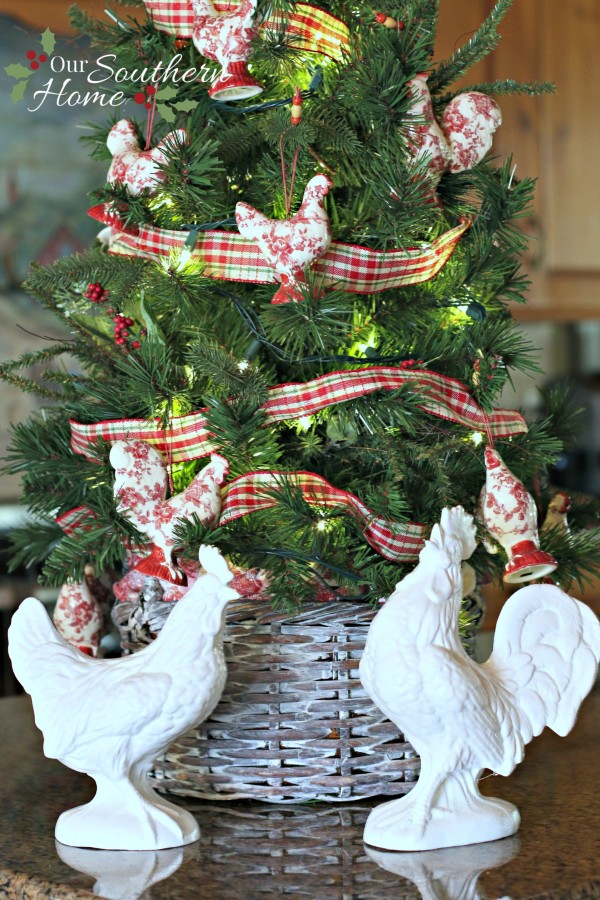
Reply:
x=138, y=169
x=140, y=487
x=290, y=245
x=227, y=37
x=462, y=717
x=112, y=718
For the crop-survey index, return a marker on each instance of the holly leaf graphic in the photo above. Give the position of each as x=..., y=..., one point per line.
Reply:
x=166, y=112
x=48, y=41
x=18, y=91
x=166, y=93
x=186, y=105
x=16, y=70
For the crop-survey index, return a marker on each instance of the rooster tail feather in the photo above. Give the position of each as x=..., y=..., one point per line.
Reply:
x=546, y=653
x=30, y=629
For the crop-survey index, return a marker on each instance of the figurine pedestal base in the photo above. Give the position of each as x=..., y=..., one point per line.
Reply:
x=391, y=826
x=124, y=816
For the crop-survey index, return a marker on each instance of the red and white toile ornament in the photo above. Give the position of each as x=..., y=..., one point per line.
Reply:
x=136, y=168
x=78, y=616
x=556, y=514
x=426, y=138
x=290, y=245
x=141, y=483
x=463, y=136
x=469, y=122
x=227, y=37
x=510, y=515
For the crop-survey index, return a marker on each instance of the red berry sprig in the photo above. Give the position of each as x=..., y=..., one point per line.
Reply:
x=96, y=293
x=122, y=324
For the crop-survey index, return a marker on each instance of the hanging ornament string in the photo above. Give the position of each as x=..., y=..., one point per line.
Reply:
x=151, y=107
x=296, y=118
x=190, y=438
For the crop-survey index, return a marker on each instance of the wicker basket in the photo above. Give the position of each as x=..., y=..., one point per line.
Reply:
x=294, y=722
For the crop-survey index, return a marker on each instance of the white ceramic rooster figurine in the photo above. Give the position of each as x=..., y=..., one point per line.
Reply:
x=112, y=718
x=140, y=487
x=463, y=136
x=227, y=37
x=136, y=168
x=290, y=245
x=462, y=717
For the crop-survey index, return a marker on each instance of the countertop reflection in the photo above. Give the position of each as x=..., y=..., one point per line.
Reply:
x=249, y=850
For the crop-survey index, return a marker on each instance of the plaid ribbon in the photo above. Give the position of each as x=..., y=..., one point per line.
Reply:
x=398, y=541
x=230, y=257
x=188, y=437
x=311, y=29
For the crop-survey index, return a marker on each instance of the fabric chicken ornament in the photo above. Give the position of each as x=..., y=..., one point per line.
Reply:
x=290, y=245
x=509, y=513
x=463, y=136
x=136, y=168
x=227, y=37
x=78, y=616
x=141, y=487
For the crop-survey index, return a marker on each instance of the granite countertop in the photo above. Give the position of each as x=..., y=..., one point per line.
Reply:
x=249, y=850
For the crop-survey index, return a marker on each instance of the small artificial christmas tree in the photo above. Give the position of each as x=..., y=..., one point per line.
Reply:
x=306, y=273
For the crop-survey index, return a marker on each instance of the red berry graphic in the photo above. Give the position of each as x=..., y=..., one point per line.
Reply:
x=150, y=90
x=148, y=105
x=139, y=97
x=34, y=65
x=31, y=54
x=42, y=57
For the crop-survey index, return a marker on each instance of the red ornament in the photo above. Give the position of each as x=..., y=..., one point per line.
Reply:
x=380, y=18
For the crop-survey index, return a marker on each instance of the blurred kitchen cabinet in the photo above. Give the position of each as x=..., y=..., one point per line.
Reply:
x=552, y=137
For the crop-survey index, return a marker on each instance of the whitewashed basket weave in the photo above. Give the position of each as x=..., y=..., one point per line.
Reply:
x=294, y=722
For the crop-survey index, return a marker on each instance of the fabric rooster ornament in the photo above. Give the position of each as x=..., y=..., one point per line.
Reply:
x=136, y=168
x=463, y=136
x=141, y=486
x=291, y=245
x=227, y=37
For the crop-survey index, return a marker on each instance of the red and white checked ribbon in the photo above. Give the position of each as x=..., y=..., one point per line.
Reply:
x=398, y=541
x=228, y=256
x=311, y=29
x=188, y=437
